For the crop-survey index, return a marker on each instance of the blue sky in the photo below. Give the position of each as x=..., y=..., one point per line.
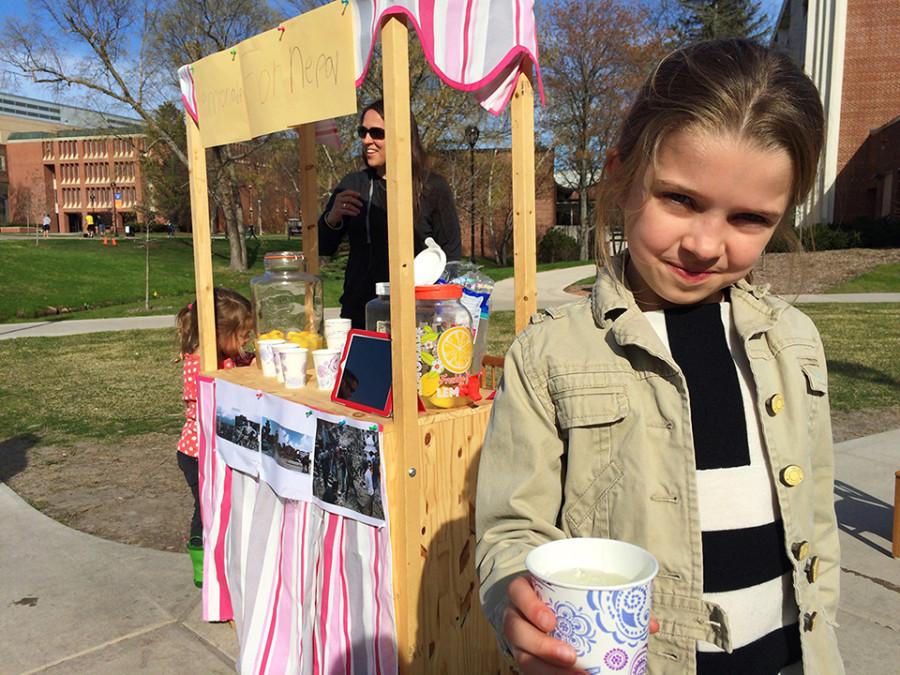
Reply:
x=24, y=87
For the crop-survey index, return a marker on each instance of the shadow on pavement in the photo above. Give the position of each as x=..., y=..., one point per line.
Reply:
x=14, y=454
x=859, y=513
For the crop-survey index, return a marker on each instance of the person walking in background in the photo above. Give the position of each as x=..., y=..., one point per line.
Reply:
x=234, y=323
x=368, y=479
x=357, y=210
x=45, y=225
x=680, y=407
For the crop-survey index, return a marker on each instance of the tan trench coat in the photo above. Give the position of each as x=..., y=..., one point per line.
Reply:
x=590, y=435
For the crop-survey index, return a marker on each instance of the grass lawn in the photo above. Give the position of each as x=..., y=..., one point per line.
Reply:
x=114, y=385
x=861, y=341
x=105, y=281
x=882, y=279
x=96, y=281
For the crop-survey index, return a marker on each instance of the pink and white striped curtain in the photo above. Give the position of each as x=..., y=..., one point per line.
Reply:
x=309, y=591
x=479, y=46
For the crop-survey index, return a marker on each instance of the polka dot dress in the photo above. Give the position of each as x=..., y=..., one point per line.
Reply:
x=189, y=441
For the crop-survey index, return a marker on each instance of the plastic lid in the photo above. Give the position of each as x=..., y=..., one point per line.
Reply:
x=383, y=288
x=439, y=292
x=429, y=265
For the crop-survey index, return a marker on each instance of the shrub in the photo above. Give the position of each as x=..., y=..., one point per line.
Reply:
x=556, y=246
x=828, y=237
x=877, y=232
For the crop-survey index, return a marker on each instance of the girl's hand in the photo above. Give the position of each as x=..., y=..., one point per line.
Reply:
x=526, y=622
x=346, y=203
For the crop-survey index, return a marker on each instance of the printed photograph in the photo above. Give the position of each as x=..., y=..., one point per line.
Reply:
x=237, y=428
x=289, y=448
x=347, y=468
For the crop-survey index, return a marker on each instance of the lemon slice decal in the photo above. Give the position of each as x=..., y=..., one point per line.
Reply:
x=429, y=383
x=454, y=349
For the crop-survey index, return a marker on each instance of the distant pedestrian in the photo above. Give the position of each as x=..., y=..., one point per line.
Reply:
x=45, y=226
x=251, y=232
x=89, y=220
x=101, y=225
x=234, y=322
x=170, y=229
x=368, y=479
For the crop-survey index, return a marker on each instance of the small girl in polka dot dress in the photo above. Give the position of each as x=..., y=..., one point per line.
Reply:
x=234, y=323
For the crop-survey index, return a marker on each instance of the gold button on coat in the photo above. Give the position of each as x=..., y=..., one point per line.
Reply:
x=809, y=622
x=775, y=404
x=792, y=475
x=812, y=570
x=800, y=550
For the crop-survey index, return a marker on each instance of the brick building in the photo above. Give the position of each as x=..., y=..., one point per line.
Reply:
x=73, y=174
x=849, y=48
x=24, y=115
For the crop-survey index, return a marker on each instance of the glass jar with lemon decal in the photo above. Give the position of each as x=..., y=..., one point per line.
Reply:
x=443, y=346
x=288, y=302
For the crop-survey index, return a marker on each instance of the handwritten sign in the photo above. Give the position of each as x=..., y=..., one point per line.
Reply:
x=300, y=72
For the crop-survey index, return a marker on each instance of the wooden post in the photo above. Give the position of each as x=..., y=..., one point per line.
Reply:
x=203, y=276
x=402, y=484
x=309, y=188
x=524, y=234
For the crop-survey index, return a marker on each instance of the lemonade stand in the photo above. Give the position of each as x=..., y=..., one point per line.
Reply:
x=314, y=582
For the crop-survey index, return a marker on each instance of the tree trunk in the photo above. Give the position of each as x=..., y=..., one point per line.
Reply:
x=584, y=227
x=224, y=192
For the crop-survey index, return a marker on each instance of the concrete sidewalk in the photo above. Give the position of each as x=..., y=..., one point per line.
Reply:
x=551, y=292
x=74, y=604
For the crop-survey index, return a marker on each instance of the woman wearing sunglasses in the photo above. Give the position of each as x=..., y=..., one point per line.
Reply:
x=357, y=209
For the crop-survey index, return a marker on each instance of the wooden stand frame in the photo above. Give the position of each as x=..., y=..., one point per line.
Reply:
x=431, y=459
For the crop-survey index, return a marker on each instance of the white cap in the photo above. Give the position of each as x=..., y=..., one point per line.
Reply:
x=429, y=265
x=383, y=288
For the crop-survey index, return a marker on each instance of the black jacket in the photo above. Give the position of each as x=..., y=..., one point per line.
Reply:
x=367, y=234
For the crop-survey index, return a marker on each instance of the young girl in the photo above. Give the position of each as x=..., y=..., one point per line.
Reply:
x=234, y=322
x=681, y=408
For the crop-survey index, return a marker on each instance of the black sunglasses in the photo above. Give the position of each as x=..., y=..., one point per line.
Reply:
x=377, y=133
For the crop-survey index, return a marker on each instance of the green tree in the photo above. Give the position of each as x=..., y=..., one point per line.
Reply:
x=166, y=175
x=710, y=19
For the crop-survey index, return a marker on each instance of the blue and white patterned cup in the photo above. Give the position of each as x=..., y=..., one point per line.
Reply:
x=600, y=592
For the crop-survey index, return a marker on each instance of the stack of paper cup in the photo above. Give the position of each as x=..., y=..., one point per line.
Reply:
x=336, y=332
x=326, y=362
x=279, y=350
x=293, y=364
x=266, y=355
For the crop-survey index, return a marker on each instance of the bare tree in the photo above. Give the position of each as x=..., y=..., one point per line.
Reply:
x=594, y=55
x=100, y=57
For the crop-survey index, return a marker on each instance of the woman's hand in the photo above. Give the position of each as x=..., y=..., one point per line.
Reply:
x=526, y=622
x=346, y=203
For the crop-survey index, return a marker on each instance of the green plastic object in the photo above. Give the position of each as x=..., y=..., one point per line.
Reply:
x=196, y=553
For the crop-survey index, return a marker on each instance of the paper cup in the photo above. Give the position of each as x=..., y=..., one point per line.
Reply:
x=326, y=362
x=278, y=351
x=266, y=355
x=336, y=332
x=600, y=591
x=293, y=363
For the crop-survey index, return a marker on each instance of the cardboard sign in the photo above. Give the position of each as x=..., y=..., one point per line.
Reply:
x=278, y=79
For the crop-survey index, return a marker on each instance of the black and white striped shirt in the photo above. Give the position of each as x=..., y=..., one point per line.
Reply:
x=746, y=570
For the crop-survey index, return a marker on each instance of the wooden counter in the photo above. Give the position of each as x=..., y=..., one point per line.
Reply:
x=441, y=628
